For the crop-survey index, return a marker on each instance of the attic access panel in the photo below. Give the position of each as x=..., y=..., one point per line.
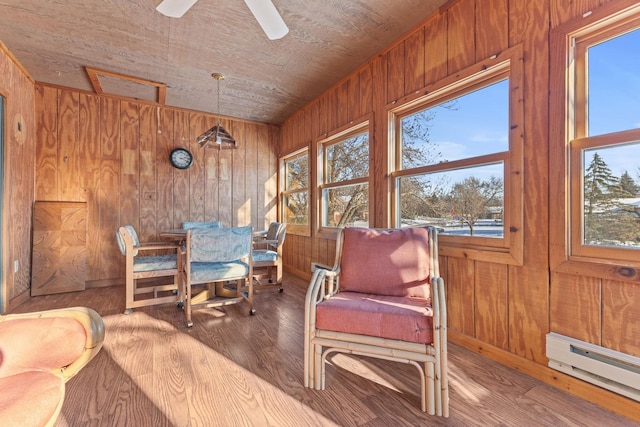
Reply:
x=108, y=82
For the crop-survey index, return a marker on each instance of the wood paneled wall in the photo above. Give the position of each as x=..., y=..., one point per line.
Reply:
x=505, y=308
x=113, y=154
x=16, y=86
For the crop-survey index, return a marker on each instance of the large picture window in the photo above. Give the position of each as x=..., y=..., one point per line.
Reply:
x=295, y=194
x=457, y=159
x=455, y=151
x=344, y=178
x=604, y=141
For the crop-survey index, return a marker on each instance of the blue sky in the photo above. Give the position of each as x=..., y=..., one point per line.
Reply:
x=614, y=97
x=478, y=123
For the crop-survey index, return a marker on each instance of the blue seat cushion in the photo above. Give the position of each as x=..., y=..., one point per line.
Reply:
x=150, y=263
x=216, y=271
x=263, y=255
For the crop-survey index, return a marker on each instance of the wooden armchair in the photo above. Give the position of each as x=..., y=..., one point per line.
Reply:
x=215, y=258
x=382, y=298
x=267, y=256
x=146, y=267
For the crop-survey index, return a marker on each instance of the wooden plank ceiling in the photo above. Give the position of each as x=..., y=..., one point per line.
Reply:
x=265, y=80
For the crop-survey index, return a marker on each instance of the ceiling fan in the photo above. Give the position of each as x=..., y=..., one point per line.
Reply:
x=265, y=12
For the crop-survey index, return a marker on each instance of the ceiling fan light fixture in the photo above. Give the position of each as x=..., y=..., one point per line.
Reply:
x=175, y=9
x=218, y=134
x=268, y=17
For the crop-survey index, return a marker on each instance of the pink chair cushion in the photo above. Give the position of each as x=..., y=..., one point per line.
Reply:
x=30, y=398
x=400, y=318
x=390, y=262
x=39, y=344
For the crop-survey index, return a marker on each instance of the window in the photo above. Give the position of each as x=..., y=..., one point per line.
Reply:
x=458, y=160
x=344, y=178
x=295, y=196
x=604, y=142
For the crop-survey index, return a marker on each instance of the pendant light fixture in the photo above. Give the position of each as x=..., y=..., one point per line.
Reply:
x=217, y=134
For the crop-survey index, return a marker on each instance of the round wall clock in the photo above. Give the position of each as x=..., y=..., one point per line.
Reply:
x=181, y=158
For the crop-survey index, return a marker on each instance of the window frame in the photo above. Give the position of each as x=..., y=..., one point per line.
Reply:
x=569, y=138
x=507, y=64
x=355, y=127
x=298, y=229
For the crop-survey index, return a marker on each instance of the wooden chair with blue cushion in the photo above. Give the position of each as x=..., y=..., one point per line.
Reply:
x=267, y=256
x=382, y=298
x=152, y=266
x=220, y=259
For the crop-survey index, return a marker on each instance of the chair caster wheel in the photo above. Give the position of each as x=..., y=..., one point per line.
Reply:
x=179, y=304
x=281, y=290
x=189, y=324
x=128, y=311
x=252, y=311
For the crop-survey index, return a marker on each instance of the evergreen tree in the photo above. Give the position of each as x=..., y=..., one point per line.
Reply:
x=599, y=185
x=628, y=185
x=606, y=220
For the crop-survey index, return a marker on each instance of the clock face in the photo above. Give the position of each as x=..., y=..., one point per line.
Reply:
x=181, y=158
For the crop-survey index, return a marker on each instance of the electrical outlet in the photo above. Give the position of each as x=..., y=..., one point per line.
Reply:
x=16, y=265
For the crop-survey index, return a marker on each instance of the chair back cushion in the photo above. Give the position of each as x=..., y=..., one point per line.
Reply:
x=272, y=232
x=132, y=233
x=386, y=262
x=220, y=245
x=188, y=225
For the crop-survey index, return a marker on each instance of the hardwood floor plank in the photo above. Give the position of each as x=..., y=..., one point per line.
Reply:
x=233, y=369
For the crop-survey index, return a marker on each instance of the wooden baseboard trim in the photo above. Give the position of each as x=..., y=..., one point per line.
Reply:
x=614, y=402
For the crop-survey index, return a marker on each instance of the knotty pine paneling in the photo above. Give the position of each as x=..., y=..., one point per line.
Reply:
x=414, y=61
x=563, y=11
x=129, y=208
x=460, y=36
x=239, y=196
x=181, y=195
x=111, y=261
x=395, y=73
x=114, y=154
x=47, y=143
x=435, y=55
x=17, y=88
x=378, y=144
x=621, y=316
x=196, y=173
x=164, y=179
x=460, y=295
x=147, y=153
x=492, y=29
x=574, y=307
x=68, y=164
x=490, y=303
x=528, y=312
x=89, y=159
x=365, y=91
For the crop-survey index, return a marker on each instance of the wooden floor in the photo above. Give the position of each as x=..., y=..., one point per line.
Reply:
x=232, y=369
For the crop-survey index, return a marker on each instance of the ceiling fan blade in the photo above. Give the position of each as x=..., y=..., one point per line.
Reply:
x=175, y=8
x=268, y=17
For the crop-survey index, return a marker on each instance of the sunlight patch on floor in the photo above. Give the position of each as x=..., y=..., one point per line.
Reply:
x=248, y=399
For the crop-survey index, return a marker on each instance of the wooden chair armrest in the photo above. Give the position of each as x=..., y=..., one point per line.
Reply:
x=156, y=246
x=259, y=235
x=316, y=265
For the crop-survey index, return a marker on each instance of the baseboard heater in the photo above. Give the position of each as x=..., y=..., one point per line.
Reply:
x=613, y=370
